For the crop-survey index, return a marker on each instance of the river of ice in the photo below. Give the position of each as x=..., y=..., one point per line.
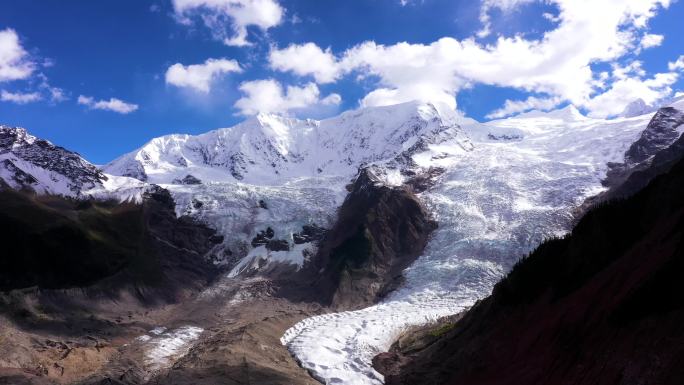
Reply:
x=494, y=204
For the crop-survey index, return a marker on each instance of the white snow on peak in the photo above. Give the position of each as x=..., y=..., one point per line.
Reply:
x=270, y=149
x=637, y=108
x=285, y=173
x=570, y=113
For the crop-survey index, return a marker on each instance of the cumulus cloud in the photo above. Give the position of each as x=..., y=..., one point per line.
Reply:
x=676, y=65
x=512, y=107
x=113, y=104
x=650, y=40
x=626, y=90
x=269, y=96
x=200, y=76
x=306, y=59
x=557, y=64
x=228, y=19
x=14, y=61
x=20, y=97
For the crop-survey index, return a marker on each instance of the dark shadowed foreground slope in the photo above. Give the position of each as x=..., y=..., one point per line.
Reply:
x=54, y=242
x=604, y=305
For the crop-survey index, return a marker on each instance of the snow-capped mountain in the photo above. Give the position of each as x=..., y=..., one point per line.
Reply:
x=276, y=175
x=27, y=162
x=33, y=164
x=520, y=184
x=502, y=187
x=270, y=149
x=636, y=108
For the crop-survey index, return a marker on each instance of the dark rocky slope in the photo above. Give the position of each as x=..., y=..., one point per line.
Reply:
x=54, y=242
x=604, y=305
x=19, y=146
x=380, y=230
x=652, y=154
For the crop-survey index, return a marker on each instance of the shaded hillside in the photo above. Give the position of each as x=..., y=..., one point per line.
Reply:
x=54, y=242
x=604, y=305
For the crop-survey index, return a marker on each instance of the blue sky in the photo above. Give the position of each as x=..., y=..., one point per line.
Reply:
x=97, y=77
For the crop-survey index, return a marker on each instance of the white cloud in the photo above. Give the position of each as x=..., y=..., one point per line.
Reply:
x=676, y=65
x=228, y=19
x=306, y=59
x=113, y=104
x=512, y=107
x=57, y=94
x=14, y=61
x=269, y=96
x=47, y=91
x=200, y=76
x=19, y=97
x=650, y=40
x=557, y=64
x=632, y=69
x=626, y=90
x=505, y=6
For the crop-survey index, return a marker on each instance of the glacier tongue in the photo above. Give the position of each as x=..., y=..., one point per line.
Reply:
x=518, y=186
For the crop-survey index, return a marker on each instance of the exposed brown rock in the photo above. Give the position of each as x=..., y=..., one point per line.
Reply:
x=379, y=232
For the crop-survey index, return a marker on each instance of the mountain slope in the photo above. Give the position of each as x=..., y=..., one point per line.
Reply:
x=54, y=242
x=601, y=305
x=27, y=162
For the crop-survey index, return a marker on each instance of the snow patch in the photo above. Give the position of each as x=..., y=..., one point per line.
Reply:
x=163, y=347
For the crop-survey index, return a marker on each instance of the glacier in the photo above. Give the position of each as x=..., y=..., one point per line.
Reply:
x=519, y=185
x=283, y=173
x=507, y=185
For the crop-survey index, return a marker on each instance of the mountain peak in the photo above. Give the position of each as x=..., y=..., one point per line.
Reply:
x=269, y=148
x=636, y=108
x=569, y=113
x=36, y=164
x=12, y=135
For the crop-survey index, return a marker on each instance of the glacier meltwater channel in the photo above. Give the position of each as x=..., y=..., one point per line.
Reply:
x=518, y=186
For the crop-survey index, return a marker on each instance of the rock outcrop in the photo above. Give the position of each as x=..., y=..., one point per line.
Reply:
x=58, y=170
x=379, y=232
x=660, y=133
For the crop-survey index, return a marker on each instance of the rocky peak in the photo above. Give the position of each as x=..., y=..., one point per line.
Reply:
x=636, y=108
x=38, y=165
x=379, y=232
x=659, y=134
x=662, y=131
x=270, y=148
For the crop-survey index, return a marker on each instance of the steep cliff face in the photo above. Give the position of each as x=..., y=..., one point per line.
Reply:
x=602, y=305
x=55, y=242
x=662, y=131
x=380, y=230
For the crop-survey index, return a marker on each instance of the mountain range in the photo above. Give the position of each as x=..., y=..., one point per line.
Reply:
x=386, y=217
